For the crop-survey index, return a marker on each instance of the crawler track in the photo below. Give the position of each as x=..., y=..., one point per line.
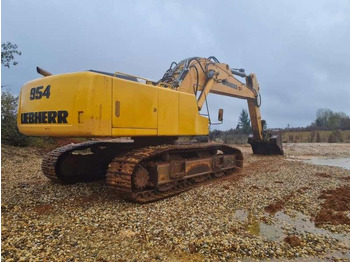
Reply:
x=122, y=169
x=51, y=159
x=81, y=162
x=142, y=174
x=152, y=195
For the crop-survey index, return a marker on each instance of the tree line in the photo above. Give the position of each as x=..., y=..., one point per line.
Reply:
x=326, y=120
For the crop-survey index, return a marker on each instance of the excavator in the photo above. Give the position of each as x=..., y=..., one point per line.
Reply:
x=137, y=127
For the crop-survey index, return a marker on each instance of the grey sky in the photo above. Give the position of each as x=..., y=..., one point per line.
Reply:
x=300, y=50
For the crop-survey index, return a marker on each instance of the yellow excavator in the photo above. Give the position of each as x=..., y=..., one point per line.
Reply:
x=154, y=162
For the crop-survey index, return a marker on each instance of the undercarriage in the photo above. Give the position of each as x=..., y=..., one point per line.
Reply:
x=142, y=173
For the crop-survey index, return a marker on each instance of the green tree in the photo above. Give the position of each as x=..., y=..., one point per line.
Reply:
x=345, y=123
x=322, y=117
x=9, y=130
x=244, y=122
x=327, y=119
x=8, y=52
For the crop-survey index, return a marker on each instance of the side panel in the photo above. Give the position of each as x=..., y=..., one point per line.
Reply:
x=84, y=98
x=134, y=105
x=190, y=121
x=168, y=112
x=99, y=105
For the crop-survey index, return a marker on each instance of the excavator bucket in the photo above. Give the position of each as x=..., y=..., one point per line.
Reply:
x=271, y=146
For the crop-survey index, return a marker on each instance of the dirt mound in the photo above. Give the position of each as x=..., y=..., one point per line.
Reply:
x=336, y=204
x=337, y=199
x=293, y=241
x=274, y=207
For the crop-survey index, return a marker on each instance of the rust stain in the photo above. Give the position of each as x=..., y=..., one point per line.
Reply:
x=198, y=169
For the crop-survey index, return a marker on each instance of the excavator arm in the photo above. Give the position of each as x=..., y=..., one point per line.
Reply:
x=202, y=76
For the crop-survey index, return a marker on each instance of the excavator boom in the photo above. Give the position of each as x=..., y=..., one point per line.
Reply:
x=208, y=75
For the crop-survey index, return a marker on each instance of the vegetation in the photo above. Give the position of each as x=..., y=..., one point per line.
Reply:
x=329, y=120
x=335, y=136
x=244, y=123
x=10, y=134
x=328, y=127
x=236, y=136
x=8, y=52
x=233, y=136
x=326, y=119
x=9, y=131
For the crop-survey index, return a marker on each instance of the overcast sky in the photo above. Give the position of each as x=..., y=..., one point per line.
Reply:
x=300, y=50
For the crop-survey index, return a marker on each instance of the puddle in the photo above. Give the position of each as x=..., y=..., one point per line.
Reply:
x=284, y=224
x=241, y=215
x=301, y=223
x=271, y=232
x=338, y=162
x=259, y=228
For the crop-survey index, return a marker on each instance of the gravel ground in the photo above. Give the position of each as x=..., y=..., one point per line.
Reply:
x=267, y=211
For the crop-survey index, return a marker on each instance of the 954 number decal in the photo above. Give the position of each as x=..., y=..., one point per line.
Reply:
x=39, y=92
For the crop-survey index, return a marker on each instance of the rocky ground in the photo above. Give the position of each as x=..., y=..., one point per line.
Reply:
x=267, y=211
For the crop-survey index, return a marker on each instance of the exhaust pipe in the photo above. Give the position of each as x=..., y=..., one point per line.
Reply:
x=43, y=72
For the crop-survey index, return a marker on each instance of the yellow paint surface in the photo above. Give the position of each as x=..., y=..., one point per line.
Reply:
x=102, y=105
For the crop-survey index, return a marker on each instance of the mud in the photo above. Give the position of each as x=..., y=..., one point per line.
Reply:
x=322, y=175
x=293, y=241
x=278, y=205
x=302, y=190
x=335, y=207
x=337, y=199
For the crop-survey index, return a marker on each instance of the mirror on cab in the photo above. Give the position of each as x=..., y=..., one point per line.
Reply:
x=221, y=115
